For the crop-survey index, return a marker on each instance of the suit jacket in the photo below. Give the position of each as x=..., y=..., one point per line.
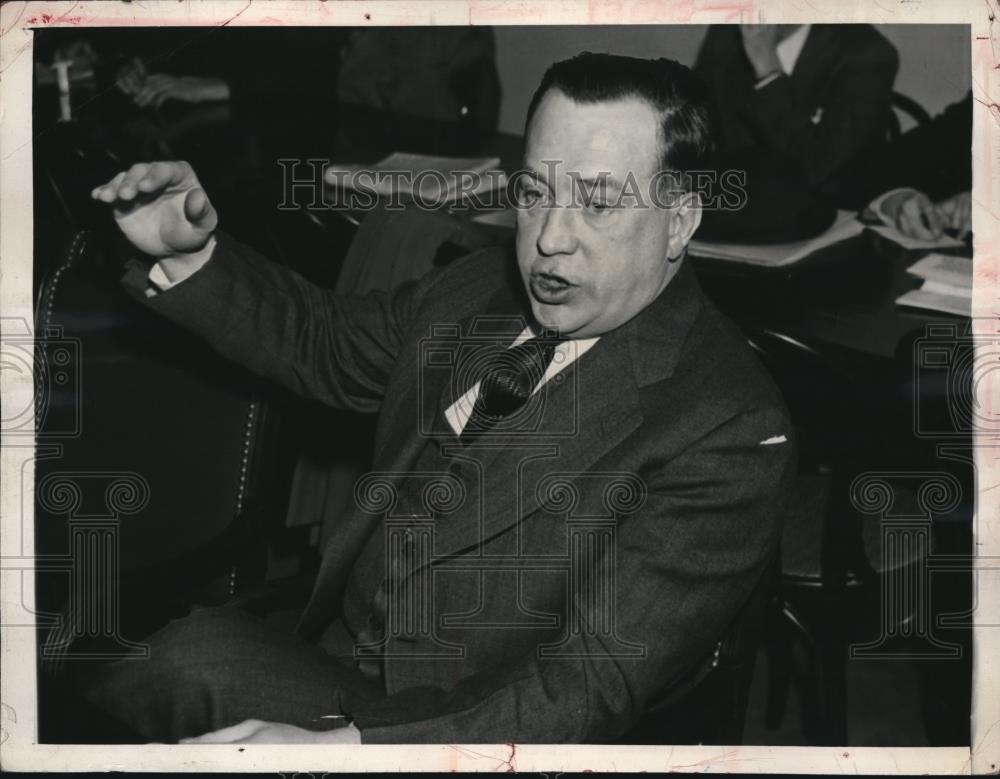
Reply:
x=432, y=72
x=575, y=566
x=835, y=103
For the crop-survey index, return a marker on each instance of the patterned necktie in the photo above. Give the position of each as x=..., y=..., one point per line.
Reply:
x=508, y=381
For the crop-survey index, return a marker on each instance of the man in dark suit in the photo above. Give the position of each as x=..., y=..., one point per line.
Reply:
x=579, y=465
x=810, y=97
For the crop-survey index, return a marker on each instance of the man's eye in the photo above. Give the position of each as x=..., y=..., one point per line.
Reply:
x=528, y=195
x=600, y=207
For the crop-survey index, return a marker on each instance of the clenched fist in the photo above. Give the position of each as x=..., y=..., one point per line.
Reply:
x=161, y=208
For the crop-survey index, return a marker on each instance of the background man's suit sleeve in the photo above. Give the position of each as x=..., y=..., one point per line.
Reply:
x=337, y=350
x=685, y=563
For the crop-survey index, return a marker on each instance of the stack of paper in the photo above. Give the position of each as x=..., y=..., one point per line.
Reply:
x=434, y=180
x=776, y=255
x=945, y=241
x=947, y=285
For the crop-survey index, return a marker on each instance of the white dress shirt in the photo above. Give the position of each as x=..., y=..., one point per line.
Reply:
x=788, y=52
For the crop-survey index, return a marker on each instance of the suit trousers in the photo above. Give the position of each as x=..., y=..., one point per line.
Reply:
x=219, y=666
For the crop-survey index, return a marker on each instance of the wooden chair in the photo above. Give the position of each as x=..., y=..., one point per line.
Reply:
x=907, y=106
x=708, y=705
x=830, y=556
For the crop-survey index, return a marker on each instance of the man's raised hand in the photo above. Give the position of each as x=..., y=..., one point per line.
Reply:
x=161, y=208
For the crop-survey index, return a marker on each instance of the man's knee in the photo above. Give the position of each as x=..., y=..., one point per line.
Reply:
x=180, y=689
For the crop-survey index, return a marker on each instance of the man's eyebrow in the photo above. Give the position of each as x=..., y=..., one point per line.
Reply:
x=609, y=180
x=531, y=173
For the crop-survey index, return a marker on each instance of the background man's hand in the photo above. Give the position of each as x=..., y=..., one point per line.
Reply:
x=957, y=212
x=131, y=76
x=915, y=215
x=254, y=731
x=760, y=42
x=160, y=87
x=161, y=208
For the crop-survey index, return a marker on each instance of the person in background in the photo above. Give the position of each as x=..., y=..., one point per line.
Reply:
x=154, y=89
x=811, y=97
x=192, y=67
x=443, y=73
x=920, y=183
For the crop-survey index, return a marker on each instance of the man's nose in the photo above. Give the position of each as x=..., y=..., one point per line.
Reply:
x=558, y=235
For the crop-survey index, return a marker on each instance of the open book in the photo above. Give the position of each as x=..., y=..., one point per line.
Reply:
x=947, y=285
x=776, y=255
x=432, y=180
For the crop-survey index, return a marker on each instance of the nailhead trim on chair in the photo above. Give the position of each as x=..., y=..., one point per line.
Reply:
x=242, y=487
x=75, y=250
x=61, y=634
x=245, y=457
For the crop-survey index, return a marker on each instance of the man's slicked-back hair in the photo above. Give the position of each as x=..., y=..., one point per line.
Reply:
x=673, y=91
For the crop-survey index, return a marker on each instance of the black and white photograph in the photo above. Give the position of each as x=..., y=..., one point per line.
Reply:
x=557, y=374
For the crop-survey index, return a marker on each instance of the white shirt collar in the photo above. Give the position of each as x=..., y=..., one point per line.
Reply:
x=566, y=353
x=791, y=47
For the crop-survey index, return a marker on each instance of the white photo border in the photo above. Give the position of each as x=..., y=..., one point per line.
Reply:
x=18, y=747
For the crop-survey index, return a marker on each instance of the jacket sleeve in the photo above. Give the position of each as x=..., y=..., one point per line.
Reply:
x=335, y=349
x=684, y=564
x=854, y=115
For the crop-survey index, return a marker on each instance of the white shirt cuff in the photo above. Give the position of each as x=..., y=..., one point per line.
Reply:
x=767, y=80
x=183, y=267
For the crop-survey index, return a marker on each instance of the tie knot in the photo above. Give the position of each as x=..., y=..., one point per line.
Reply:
x=512, y=375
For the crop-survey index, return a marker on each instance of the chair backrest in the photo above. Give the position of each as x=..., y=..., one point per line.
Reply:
x=838, y=432
x=825, y=400
x=135, y=399
x=708, y=704
x=901, y=104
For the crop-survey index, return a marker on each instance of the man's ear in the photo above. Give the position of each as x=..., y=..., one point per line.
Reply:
x=685, y=217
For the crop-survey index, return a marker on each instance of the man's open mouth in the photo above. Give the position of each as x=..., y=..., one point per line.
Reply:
x=550, y=287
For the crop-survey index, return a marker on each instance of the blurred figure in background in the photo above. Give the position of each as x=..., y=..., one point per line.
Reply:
x=154, y=89
x=443, y=73
x=244, y=65
x=800, y=102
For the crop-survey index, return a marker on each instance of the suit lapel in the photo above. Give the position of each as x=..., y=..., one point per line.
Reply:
x=815, y=63
x=593, y=409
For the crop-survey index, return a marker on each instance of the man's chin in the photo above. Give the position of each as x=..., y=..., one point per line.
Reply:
x=560, y=318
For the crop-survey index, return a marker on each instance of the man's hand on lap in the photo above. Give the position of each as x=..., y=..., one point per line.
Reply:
x=254, y=731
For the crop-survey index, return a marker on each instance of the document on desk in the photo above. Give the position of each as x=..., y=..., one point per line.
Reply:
x=434, y=180
x=777, y=255
x=944, y=242
x=947, y=285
